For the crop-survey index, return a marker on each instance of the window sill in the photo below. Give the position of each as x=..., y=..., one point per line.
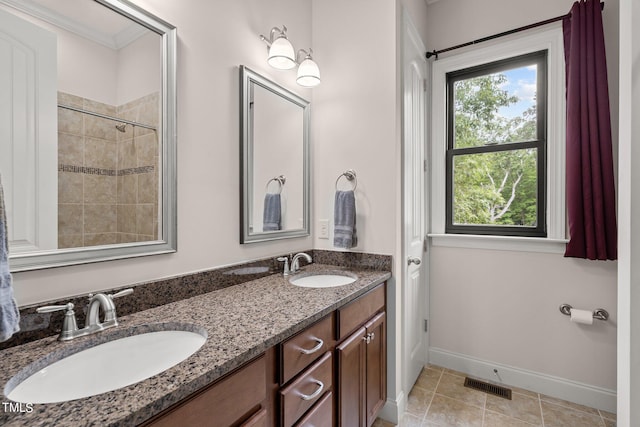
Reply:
x=500, y=243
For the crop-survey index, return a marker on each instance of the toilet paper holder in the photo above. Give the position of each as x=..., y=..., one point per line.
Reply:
x=598, y=313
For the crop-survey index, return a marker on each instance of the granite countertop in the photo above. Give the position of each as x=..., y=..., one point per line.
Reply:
x=241, y=322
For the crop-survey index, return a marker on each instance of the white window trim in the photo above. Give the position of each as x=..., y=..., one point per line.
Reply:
x=550, y=39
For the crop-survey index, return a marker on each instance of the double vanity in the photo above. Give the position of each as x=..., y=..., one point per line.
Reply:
x=275, y=353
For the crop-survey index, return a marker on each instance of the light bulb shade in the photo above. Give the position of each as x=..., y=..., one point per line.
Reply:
x=281, y=54
x=308, y=73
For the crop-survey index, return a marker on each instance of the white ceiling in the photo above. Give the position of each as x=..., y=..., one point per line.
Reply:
x=85, y=18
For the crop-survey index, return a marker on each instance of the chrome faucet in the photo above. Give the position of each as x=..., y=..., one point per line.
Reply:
x=286, y=270
x=92, y=325
x=96, y=302
x=295, y=263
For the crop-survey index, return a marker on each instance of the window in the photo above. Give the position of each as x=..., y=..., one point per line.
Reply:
x=543, y=143
x=496, y=147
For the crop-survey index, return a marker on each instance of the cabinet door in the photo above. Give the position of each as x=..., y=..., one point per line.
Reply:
x=351, y=380
x=259, y=419
x=240, y=395
x=376, y=355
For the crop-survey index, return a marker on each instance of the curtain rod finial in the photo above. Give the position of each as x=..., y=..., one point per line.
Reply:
x=433, y=53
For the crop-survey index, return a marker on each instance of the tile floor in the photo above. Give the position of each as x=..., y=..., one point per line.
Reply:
x=440, y=399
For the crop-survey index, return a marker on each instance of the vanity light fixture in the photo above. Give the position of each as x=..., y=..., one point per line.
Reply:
x=308, y=71
x=282, y=57
x=281, y=53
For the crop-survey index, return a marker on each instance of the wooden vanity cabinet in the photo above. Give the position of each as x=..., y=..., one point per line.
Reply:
x=331, y=373
x=361, y=387
x=245, y=397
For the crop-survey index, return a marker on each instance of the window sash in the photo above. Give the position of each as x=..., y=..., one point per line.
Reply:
x=539, y=58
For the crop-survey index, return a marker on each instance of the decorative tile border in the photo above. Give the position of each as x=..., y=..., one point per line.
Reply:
x=35, y=326
x=107, y=172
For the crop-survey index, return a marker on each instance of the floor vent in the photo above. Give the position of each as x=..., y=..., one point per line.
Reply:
x=496, y=390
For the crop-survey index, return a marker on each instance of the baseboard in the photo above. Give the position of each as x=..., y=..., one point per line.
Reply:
x=393, y=409
x=561, y=388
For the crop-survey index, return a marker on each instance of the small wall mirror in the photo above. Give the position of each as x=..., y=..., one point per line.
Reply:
x=87, y=151
x=275, y=160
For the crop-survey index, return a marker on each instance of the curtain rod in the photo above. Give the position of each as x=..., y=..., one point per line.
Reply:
x=104, y=116
x=505, y=33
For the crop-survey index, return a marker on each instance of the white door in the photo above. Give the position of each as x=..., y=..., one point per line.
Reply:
x=415, y=272
x=29, y=133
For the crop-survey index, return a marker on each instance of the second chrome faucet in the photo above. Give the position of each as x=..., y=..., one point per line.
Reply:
x=295, y=262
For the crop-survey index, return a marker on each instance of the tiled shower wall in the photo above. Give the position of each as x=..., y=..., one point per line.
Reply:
x=107, y=179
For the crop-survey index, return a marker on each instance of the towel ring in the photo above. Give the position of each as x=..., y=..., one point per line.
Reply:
x=280, y=180
x=350, y=174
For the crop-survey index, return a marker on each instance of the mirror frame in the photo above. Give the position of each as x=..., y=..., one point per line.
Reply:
x=168, y=243
x=248, y=77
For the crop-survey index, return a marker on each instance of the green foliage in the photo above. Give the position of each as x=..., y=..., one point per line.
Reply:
x=498, y=187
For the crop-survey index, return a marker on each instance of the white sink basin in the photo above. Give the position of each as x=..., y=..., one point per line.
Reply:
x=329, y=280
x=106, y=367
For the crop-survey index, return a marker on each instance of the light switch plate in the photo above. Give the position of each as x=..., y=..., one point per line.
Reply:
x=324, y=229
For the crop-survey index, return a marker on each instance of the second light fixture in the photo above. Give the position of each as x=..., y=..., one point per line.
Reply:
x=282, y=56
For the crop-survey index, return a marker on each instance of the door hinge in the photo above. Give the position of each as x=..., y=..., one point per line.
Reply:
x=424, y=85
x=425, y=245
x=426, y=325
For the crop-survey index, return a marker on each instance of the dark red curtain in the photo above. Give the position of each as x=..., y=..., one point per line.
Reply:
x=590, y=181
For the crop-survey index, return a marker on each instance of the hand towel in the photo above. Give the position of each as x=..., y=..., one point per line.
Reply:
x=344, y=220
x=9, y=314
x=271, y=217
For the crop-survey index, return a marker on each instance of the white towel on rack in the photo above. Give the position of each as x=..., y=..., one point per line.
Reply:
x=9, y=314
x=344, y=220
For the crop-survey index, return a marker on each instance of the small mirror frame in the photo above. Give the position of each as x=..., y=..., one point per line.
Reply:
x=168, y=243
x=248, y=77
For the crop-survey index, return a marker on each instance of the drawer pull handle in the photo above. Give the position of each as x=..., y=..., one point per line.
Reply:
x=315, y=393
x=314, y=349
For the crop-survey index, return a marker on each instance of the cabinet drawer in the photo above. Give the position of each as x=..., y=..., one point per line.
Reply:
x=302, y=349
x=223, y=403
x=299, y=396
x=257, y=420
x=321, y=415
x=354, y=314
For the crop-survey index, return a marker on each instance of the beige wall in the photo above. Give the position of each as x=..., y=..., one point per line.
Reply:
x=502, y=307
x=355, y=127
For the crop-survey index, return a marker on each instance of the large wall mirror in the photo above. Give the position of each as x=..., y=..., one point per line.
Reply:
x=275, y=160
x=87, y=137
